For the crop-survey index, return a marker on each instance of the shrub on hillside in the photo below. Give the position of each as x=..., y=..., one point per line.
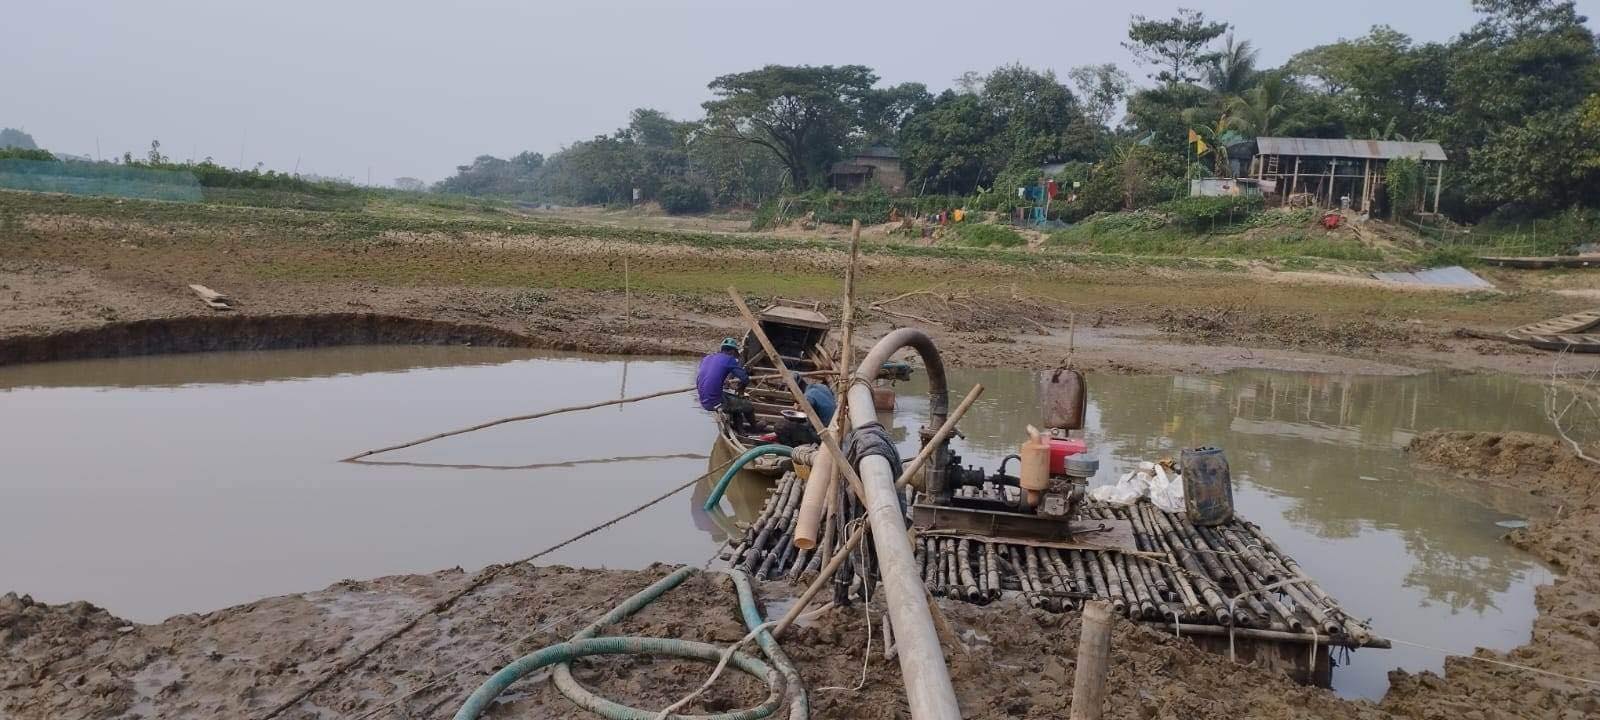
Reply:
x=17, y=153
x=982, y=235
x=681, y=198
x=1202, y=213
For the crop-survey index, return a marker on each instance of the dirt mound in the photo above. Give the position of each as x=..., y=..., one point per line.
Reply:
x=1227, y=324
x=50, y=662
x=1566, y=634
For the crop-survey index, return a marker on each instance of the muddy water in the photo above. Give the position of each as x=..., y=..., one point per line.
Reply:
x=183, y=483
x=186, y=483
x=1317, y=462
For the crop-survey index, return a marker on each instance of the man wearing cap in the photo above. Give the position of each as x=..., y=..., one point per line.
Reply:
x=714, y=371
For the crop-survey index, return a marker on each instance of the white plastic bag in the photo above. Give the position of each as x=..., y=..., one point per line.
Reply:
x=1129, y=489
x=1166, y=492
x=1149, y=480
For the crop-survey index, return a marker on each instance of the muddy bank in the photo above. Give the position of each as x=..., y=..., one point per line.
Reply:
x=1566, y=635
x=75, y=264
x=56, y=312
x=243, y=332
x=78, y=661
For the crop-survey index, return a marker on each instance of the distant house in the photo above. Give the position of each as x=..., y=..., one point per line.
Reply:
x=876, y=164
x=1327, y=170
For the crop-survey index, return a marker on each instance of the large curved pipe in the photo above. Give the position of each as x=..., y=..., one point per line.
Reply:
x=938, y=389
x=929, y=692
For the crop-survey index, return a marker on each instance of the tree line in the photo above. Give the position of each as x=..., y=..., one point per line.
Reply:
x=1514, y=99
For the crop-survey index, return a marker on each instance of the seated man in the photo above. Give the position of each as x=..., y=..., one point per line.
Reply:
x=714, y=372
x=820, y=396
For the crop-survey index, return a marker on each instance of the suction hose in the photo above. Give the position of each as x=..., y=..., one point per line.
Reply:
x=727, y=477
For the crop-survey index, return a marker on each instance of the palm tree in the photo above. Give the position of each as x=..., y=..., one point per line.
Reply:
x=1215, y=136
x=1232, y=70
x=1260, y=106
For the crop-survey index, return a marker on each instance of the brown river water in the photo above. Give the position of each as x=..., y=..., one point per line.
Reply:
x=170, y=484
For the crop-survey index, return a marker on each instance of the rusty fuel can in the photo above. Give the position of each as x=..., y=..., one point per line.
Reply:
x=1065, y=399
x=1207, y=485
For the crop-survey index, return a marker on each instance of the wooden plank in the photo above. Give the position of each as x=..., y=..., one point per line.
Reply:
x=212, y=298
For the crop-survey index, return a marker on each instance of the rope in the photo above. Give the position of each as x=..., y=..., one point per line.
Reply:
x=1492, y=661
x=722, y=664
x=477, y=582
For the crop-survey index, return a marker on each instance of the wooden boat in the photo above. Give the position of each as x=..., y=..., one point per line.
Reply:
x=1568, y=332
x=1541, y=263
x=798, y=330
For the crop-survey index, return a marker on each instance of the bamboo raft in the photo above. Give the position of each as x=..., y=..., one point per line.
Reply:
x=1229, y=579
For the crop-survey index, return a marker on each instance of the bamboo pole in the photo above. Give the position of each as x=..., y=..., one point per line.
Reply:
x=518, y=418
x=547, y=413
x=847, y=316
x=1094, y=655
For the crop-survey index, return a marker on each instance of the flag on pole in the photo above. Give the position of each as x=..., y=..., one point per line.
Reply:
x=1199, y=144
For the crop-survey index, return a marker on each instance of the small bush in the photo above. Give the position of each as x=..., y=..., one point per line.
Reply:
x=1200, y=213
x=981, y=235
x=1449, y=255
x=680, y=199
x=16, y=153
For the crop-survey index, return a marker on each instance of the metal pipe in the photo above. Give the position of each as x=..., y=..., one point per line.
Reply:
x=862, y=410
x=929, y=692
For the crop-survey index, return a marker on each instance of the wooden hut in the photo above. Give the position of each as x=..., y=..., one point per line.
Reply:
x=1325, y=170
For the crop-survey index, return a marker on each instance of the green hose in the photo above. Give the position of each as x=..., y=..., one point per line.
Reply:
x=584, y=643
x=727, y=477
x=799, y=706
x=573, y=649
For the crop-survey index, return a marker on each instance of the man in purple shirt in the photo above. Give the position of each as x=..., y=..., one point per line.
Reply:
x=714, y=371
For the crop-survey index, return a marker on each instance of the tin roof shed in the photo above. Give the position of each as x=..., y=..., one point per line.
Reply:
x=1368, y=149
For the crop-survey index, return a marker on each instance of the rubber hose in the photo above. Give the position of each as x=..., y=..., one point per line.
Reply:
x=584, y=643
x=727, y=477
x=799, y=705
x=573, y=649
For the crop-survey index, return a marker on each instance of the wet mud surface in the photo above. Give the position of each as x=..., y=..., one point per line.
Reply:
x=78, y=661
x=1566, y=635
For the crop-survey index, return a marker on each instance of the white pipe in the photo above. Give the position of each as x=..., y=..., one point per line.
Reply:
x=929, y=692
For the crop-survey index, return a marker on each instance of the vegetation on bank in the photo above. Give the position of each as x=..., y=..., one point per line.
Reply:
x=1514, y=99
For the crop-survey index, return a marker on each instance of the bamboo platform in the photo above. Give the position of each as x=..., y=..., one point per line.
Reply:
x=1203, y=581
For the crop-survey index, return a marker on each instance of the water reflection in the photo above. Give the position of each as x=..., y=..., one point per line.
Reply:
x=227, y=461
x=1318, y=462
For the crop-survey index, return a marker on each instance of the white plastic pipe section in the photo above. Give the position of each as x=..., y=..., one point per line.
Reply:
x=927, y=679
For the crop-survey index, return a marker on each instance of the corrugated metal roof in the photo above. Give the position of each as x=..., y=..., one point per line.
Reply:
x=1452, y=276
x=1327, y=147
x=878, y=151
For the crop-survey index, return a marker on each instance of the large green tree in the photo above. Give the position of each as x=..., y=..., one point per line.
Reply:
x=1518, y=84
x=1379, y=79
x=1040, y=119
x=1177, y=47
x=803, y=115
x=1101, y=88
x=950, y=147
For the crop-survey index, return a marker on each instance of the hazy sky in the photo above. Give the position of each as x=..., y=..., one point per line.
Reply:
x=394, y=87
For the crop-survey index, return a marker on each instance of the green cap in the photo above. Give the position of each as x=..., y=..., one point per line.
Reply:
x=730, y=344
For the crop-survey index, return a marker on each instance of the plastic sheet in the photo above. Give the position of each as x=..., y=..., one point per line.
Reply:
x=1151, y=481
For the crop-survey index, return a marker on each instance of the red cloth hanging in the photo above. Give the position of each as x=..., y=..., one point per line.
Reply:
x=1050, y=189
